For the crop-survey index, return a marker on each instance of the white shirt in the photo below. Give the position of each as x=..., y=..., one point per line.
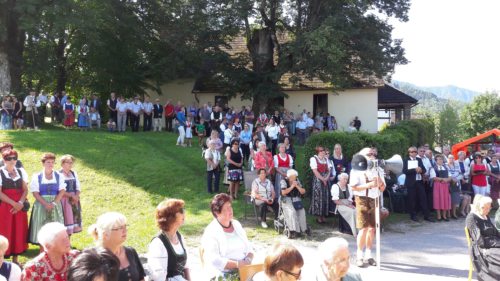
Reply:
x=314, y=165
x=6, y=174
x=135, y=107
x=42, y=98
x=228, y=135
x=301, y=125
x=272, y=132
x=34, y=187
x=309, y=122
x=15, y=273
x=148, y=107
x=158, y=259
x=440, y=168
x=359, y=178
x=121, y=107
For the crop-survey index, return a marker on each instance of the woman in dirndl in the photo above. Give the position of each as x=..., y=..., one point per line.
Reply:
x=454, y=170
x=343, y=197
x=48, y=188
x=69, y=113
x=282, y=162
x=83, y=114
x=13, y=193
x=441, y=194
x=319, y=165
x=70, y=202
x=494, y=179
x=234, y=159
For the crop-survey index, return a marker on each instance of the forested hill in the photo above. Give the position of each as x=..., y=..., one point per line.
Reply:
x=453, y=93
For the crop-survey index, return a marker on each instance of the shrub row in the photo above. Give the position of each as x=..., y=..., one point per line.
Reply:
x=392, y=140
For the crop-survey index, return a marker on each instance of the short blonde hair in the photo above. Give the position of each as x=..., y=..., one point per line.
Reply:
x=4, y=243
x=105, y=223
x=67, y=157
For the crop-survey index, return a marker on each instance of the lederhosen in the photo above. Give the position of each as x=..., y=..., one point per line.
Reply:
x=176, y=262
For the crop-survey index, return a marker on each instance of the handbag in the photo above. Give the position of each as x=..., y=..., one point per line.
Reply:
x=26, y=206
x=297, y=203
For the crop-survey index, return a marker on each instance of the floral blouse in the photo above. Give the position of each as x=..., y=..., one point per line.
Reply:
x=40, y=268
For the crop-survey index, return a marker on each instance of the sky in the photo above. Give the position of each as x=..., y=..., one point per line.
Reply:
x=451, y=42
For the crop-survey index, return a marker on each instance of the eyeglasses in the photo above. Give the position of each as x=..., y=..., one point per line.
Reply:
x=10, y=158
x=123, y=227
x=413, y=151
x=68, y=162
x=295, y=275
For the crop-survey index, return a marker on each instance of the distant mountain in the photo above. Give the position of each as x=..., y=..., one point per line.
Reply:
x=453, y=93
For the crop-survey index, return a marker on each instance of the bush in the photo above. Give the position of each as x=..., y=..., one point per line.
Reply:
x=394, y=139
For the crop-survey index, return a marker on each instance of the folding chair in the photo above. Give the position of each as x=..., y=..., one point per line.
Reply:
x=469, y=245
x=248, y=271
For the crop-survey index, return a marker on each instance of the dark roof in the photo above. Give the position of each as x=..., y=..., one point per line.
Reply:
x=390, y=97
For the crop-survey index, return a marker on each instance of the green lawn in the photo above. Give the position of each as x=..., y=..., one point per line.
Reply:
x=131, y=173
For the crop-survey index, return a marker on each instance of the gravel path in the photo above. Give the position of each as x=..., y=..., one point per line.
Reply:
x=410, y=251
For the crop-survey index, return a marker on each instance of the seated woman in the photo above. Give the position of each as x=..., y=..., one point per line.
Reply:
x=486, y=239
x=264, y=196
x=293, y=209
x=110, y=232
x=9, y=271
x=167, y=254
x=342, y=196
x=283, y=263
x=53, y=263
x=224, y=241
x=94, y=264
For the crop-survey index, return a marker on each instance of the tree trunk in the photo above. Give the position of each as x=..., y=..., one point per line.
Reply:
x=11, y=49
x=261, y=49
x=62, y=76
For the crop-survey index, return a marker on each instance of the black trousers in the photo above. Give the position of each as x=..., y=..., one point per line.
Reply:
x=262, y=208
x=416, y=193
x=134, y=122
x=245, y=148
x=148, y=120
x=113, y=115
x=168, y=124
x=216, y=175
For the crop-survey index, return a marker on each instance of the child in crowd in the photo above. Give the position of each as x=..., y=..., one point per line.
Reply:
x=200, y=132
x=95, y=118
x=111, y=125
x=189, y=131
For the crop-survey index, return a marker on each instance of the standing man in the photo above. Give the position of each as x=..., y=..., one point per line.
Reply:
x=157, y=115
x=56, y=107
x=249, y=117
x=42, y=97
x=301, y=127
x=147, y=107
x=367, y=187
x=31, y=104
x=414, y=169
x=135, y=114
x=121, y=109
x=204, y=114
x=357, y=123
x=169, y=115
x=216, y=118
x=112, y=107
x=95, y=103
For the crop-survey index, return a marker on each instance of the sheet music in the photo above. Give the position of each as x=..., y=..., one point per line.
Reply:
x=412, y=164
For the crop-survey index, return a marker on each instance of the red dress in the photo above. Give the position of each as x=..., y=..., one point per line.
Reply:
x=40, y=268
x=13, y=226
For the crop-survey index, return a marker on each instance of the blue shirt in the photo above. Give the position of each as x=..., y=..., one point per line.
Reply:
x=181, y=118
x=246, y=136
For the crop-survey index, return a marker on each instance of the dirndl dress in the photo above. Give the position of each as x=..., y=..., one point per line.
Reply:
x=72, y=212
x=320, y=200
x=83, y=117
x=69, y=112
x=235, y=174
x=441, y=193
x=13, y=226
x=39, y=215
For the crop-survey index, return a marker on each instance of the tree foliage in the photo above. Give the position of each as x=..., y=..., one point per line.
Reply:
x=482, y=115
x=448, y=131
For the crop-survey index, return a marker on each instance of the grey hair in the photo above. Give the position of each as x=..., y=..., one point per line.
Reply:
x=262, y=143
x=48, y=232
x=329, y=248
x=291, y=172
x=105, y=223
x=344, y=175
x=461, y=153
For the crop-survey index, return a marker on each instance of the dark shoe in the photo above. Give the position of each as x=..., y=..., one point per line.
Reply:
x=429, y=219
x=414, y=219
x=371, y=262
x=308, y=231
x=454, y=217
x=446, y=219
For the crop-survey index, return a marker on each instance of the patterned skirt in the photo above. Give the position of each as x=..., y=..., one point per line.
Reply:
x=319, y=199
x=69, y=119
x=235, y=175
x=441, y=196
x=14, y=226
x=40, y=217
x=72, y=215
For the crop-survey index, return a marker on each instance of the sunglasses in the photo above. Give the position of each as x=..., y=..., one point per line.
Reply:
x=295, y=275
x=413, y=151
x=10, y=158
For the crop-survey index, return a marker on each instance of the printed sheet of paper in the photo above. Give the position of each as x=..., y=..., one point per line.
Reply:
x=412, y=164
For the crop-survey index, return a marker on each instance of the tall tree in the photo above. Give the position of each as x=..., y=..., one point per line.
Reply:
x=481, y=115
x=448, y=125
x=338, y=41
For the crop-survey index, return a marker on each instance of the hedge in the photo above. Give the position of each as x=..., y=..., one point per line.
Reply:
x=395, y=139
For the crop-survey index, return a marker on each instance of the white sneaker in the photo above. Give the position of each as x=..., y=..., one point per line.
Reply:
x=263, y=224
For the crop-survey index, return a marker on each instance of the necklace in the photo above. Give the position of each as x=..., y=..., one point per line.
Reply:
x=226, y=227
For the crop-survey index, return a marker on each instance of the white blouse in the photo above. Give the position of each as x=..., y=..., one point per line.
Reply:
x=34, y=187
x=6, y=174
